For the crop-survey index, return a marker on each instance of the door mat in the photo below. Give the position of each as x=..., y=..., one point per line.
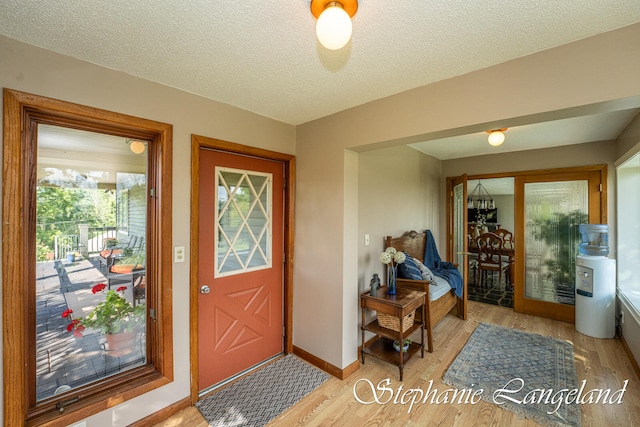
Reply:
x=263, y=395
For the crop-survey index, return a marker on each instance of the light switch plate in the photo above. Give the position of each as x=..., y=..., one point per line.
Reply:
x=366, y=240
x=178, y=254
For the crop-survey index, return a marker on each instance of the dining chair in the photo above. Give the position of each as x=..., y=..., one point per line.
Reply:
x=506, y=236
x=509, y=245
x=490, y=257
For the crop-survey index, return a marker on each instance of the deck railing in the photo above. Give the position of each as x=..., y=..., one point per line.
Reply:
x=64, y=244
x=96, y=237
x=89, y=241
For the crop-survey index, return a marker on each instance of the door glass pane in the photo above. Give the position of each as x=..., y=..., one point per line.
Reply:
x=553, y=212
x=91, y=220
x=243, y=221
x=459, y=232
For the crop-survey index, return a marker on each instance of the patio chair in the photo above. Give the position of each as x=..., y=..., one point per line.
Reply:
x=140, y=290
x=122, y=274
x=110, y=250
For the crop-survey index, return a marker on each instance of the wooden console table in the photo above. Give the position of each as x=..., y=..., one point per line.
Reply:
x=405, y=302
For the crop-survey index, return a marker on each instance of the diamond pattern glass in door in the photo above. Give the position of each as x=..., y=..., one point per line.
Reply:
x=243, y=221
x=241, y=244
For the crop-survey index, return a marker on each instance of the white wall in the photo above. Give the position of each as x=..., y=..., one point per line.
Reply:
x=30, y=69
x=506, y=213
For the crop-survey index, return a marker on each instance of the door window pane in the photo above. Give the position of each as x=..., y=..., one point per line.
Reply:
x=243, y=221
x=553, y=212
x=91, y=216
x=459, y=231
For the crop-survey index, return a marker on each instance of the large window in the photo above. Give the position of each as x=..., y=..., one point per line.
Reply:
x=628, y=177
x=86, y=202
x=91, y=284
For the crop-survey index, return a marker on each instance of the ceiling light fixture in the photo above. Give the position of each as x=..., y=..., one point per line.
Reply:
x=480, y=198
x=137, y=147
x=333, y=28
x=496, y=136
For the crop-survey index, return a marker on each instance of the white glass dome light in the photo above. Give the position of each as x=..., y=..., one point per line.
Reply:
x=137, y=147
x=334, y=27
x=496, y=137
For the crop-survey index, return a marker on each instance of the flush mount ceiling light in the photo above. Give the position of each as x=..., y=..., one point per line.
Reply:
x=136, y=147
x=496, y=136
x=334, y=21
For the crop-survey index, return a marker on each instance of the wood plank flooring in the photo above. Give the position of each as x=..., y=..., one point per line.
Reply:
x=602, y=363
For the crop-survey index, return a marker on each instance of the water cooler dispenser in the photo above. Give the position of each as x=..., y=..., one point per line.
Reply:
x=595, y=283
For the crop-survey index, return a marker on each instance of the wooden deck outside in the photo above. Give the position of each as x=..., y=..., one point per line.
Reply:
x=62, y=359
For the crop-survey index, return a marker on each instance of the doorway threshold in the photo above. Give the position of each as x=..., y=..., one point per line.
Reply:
x=237, y=376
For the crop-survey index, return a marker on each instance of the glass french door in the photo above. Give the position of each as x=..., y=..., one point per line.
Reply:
x=549, y=209
x=457, y=242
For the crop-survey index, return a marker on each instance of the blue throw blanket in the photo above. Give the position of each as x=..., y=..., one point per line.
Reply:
x=440, y=268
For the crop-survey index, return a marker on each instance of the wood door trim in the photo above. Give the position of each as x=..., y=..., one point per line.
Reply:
x=596, y=176
x=519, y=215
x=197, y=143
x=451, y=183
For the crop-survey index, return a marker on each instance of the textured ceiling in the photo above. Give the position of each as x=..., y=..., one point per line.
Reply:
x=262, y=56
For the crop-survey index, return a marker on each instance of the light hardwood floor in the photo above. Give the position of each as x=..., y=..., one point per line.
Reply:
x=602, y=363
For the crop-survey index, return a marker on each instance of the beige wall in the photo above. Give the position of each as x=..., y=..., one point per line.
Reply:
x=399, y=190
x=594, y=74
x=37, y=71
x=630, y=137
x=587, y=76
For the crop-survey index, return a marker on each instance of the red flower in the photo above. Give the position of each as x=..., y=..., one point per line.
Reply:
x=76, y=327
x=67, y=312
x=98, y=288
x=121, y=289
x=73, y=324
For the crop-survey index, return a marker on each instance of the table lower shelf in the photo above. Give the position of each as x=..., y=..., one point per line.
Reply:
x=382, y=348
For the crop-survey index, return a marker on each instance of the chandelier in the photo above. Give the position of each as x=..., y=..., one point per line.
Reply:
x=480, y=198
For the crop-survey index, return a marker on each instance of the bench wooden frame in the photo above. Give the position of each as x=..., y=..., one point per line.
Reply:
x=413, y=243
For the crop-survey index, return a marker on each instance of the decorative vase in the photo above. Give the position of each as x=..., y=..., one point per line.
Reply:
x=392, y=273
x=405, y=346
x=121, y=344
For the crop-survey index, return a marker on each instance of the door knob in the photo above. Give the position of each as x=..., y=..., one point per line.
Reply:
x=205, y=289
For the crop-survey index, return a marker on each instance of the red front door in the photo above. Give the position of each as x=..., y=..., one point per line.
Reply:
x=240, y=264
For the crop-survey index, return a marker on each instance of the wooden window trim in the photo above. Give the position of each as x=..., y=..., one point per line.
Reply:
x=22, y=113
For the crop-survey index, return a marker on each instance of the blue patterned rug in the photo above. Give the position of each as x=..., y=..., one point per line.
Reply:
x=263, y=395
x=525, y=373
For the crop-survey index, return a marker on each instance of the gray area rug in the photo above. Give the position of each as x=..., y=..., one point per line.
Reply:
x=524, y=366
x=263, y=395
